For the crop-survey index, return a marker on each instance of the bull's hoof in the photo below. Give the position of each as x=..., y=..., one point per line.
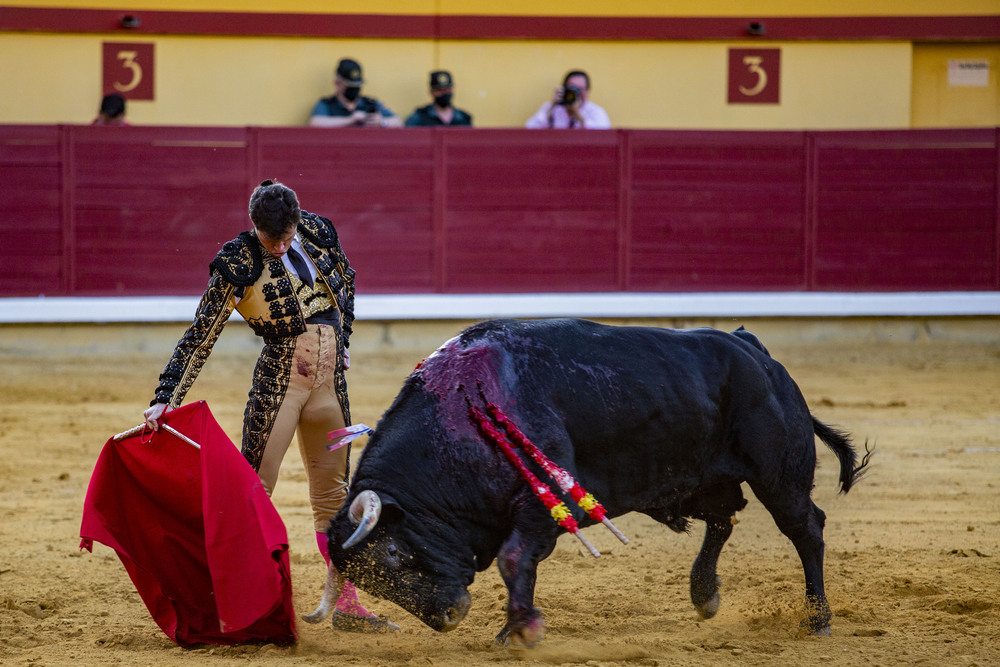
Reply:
x=706, y=597
x=808, y=629
x=524, y=635
x=708, y=609
x=817, y=623
x=368, y=624
x=315, y=617
x=322, y=611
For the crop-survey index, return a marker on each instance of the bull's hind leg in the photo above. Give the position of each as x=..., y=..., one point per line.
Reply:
x=716, y=507
x=704, y=580
x=802, y=522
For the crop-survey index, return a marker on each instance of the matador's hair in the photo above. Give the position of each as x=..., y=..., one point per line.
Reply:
x=274, y=209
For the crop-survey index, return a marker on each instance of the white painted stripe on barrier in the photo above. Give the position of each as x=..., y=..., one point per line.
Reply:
x=482, y=306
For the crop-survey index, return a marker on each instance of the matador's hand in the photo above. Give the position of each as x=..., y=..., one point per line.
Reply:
x=347, y=358
x=153, y=414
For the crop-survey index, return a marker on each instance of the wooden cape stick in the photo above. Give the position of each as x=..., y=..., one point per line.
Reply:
x=169, y=429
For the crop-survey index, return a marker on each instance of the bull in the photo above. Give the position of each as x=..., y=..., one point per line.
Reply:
x=664, y=422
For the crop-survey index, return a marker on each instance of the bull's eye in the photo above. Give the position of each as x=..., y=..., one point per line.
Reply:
x=392, y=555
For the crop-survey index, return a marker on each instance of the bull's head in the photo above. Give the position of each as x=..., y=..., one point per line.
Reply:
x=412, y=566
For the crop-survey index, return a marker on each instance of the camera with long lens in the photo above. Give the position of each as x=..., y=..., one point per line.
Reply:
x=570, y=95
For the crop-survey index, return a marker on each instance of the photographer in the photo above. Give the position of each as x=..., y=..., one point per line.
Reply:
x=347, y=108
x=570, y=108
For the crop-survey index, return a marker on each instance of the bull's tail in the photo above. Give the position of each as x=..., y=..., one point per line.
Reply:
x=840, y=442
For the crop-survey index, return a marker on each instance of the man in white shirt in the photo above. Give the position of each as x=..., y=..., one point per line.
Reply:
x=571, y=107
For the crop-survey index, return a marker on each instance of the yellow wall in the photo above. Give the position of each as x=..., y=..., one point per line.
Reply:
x=275, y=81
x=56, y=78
x=938, y=104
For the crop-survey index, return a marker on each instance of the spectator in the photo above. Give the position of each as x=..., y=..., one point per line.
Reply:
x=347, y=108
x=112, y=111
x=571, y=107
x=440, y=112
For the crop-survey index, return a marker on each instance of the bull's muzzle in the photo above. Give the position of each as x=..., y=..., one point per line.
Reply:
x=364, y=513
x=456, y=612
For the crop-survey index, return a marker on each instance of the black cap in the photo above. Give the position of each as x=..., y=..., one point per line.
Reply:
x=350, y=71
x=441, y=79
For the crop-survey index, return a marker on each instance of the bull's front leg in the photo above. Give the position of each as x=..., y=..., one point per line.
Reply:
x=518, y=564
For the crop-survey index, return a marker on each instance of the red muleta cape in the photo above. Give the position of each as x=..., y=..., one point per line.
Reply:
x=196, y=532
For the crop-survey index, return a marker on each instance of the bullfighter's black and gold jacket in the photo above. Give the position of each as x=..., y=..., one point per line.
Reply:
x=270, y=299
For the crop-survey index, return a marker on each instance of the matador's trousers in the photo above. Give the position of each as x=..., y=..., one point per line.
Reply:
x=299, y=386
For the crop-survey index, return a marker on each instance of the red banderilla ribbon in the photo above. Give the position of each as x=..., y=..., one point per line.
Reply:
x=560, y=476
x=543, y=492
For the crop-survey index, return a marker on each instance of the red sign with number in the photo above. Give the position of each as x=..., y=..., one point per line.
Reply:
x=754, y=76
x=129, y=70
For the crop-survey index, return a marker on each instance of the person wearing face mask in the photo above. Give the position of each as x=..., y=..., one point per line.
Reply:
x=348, y=107
x=440, y=111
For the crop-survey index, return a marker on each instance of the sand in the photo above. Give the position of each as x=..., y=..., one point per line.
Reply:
x=913, y=552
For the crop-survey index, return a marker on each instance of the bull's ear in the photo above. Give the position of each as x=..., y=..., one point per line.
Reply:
x=392, y=511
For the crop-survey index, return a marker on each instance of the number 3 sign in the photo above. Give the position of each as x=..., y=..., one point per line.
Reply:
x=754, y=76
x=128, y=70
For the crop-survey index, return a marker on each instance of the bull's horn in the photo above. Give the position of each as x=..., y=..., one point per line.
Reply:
x=365, y=510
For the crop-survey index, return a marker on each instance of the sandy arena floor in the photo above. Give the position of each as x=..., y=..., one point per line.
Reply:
x=913, y=553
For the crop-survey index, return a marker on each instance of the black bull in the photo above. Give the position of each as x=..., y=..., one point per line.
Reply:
x=658, y=421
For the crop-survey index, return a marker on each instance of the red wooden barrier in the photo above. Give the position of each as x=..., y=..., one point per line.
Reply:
x=531, y=211
x=142, y=210
x=715, y=211
x=151, y=206
x=901, y=211
x=379, y=190
x=31, y=206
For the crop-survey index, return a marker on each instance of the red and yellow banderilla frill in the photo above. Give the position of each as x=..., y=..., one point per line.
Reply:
x=560, y=513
